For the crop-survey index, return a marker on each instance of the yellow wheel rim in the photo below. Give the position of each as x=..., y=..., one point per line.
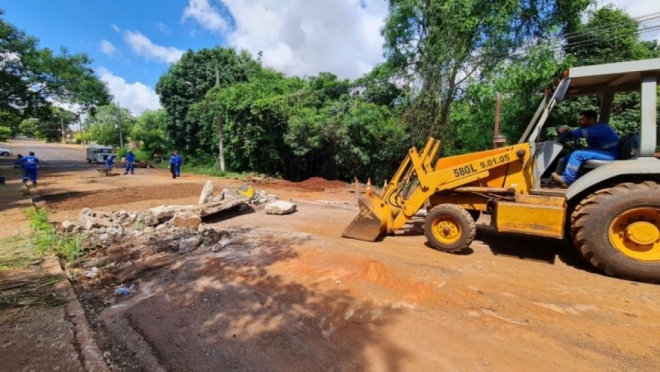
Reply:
x=636, y=234
x=446, y=230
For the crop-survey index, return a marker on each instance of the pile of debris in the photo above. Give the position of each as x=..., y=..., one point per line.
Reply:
x=113, y=226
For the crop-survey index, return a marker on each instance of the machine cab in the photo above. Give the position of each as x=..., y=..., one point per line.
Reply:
x=606, y=81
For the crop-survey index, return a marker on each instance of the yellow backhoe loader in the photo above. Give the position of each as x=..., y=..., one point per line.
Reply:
x=611, y=213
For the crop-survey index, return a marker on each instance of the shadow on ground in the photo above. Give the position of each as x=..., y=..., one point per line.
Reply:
x=209, y=311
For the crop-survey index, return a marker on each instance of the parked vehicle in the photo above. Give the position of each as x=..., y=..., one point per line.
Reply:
x=6, y=152
x=98, y=154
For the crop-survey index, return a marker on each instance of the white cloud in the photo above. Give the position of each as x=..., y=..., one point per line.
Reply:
x=301, y=37
x=143, y=46
x=135, y=96
x=206, y=14
x=163, y=28
x=115, y=27
x=107, y=47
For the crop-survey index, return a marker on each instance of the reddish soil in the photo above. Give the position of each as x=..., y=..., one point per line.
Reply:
x=122, y=195
x=320, y=184
x=328, y=303
x=308, y=185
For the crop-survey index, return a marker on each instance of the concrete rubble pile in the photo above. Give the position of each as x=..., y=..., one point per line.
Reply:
x=168, y=219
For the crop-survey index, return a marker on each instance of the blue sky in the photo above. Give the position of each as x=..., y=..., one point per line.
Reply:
x=133, y=42
x=81, y=26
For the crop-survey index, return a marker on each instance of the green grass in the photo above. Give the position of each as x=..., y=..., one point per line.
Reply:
x=14, y=253
x=205, y=170
x=45, y=239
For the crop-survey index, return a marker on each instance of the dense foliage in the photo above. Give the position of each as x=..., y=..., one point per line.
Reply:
x=445, y=62
x=31, y=78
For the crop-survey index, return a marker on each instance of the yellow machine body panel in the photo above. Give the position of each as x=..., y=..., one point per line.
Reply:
x=533, y=219
x=467, y=180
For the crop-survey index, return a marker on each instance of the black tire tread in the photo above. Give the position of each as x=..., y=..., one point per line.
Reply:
x=588, y=208
x=461, y=213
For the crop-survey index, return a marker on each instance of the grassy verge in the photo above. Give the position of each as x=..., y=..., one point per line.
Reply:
x=205, y=170
x=45, y=239
x=14, y=254
x=27, y=288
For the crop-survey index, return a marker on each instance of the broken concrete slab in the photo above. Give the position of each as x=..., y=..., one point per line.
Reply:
x=207, y=193
x=230, y=194
x=186, y=219
x=165, y=213
x=280, y=207
x=223, y=205
x=69, y=226
x=84, y=214
x=189, y=244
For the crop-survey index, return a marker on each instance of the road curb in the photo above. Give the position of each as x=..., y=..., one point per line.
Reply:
x=91, y=356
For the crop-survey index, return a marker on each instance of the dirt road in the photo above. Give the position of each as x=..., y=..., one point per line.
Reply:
x=293, y=295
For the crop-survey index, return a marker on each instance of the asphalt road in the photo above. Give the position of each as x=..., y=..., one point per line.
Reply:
x=50, y=155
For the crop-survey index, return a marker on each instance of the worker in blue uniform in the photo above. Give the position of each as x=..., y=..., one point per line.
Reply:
x=175, y=164
x=130, y=162
x=109, y=161
x=602, y=144
x=30, y=167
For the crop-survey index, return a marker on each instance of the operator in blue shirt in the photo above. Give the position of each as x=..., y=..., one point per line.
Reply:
x=130, y=162
x=30, y=167
x=602, y=144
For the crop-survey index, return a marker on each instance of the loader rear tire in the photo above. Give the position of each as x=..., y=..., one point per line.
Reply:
x=617, y=230
x=449, y=228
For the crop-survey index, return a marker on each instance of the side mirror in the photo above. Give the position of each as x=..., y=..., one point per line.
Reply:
x=561, y=91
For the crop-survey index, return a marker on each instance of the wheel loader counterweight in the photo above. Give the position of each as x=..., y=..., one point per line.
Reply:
x=612, y=212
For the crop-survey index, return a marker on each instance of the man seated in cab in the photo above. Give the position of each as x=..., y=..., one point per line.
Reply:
x=602, y=144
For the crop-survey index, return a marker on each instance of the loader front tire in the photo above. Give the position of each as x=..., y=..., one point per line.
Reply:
x=449, y=228
x=617, y=230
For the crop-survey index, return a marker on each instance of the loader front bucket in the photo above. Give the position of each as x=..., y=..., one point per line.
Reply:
x=370, y=223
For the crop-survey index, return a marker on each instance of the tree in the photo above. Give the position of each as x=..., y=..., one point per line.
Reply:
x=254, y=117
x=5, y=133
x=150, y=129
x=104, y=127
x=31, y=76
x=188, y=80
x=434, y=46
x=28, y=127
x=53, y=126
x=597, y=41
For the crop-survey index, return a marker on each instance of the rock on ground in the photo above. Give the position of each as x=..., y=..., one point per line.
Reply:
x=280, y=207
x=207, y=193
x=186, y=219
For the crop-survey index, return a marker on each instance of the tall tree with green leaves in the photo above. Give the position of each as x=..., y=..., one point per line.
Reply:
x=31, y=77
x=151, y=129
x=104, y=126
x=609, y=35
x=188, y=80
x=53, y=126
x=434, y=46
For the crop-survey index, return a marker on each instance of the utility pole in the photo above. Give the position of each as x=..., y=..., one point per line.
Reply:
x=82, y=133
x=121, y=137
x=221, y=156
x=62, y=124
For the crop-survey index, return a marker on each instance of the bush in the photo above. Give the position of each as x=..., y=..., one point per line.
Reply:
x=5, y=133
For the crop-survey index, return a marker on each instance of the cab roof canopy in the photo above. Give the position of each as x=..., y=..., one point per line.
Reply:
x=611, y=77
